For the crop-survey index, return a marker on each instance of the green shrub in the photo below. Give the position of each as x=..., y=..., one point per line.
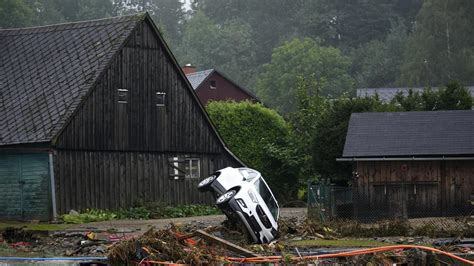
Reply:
x=152, y=210
x=89, y=215
x=259, y=137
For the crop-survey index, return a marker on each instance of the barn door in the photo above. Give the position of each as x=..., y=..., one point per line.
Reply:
x=24, y=186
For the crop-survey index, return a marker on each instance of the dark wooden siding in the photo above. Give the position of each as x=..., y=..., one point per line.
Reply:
x=110, y=180
x=417, y=186
x=225, y=90
x=112, y=155
x=142, y=67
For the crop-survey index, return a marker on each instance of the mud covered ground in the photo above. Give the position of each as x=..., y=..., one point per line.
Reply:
x=298, y=237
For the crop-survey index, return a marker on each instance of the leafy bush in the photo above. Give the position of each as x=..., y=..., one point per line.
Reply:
x=259, y=137
x=154, y=210
x=89, y=215
x=247, y=128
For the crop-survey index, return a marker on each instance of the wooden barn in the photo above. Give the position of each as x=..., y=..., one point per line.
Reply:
x=212, y=85
x=98, y=114
x=412, y=164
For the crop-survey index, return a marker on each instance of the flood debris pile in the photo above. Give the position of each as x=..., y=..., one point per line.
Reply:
x=167, y=245
x=19, y=242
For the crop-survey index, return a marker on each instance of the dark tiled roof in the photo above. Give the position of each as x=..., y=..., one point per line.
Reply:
x=410, y=134
x=197, y=78
x=46, y=71
x=387, y=94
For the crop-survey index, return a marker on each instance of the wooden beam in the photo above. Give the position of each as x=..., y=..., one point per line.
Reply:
x=228, y=245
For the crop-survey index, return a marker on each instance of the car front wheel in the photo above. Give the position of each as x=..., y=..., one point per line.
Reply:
x=205, y=184
x=224, y=198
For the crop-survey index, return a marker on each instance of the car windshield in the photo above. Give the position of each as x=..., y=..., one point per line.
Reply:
x=267, y=197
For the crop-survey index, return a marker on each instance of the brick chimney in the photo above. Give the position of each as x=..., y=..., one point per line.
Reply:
x=188, y=69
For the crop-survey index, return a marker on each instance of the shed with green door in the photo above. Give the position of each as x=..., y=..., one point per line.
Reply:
x=98, y=114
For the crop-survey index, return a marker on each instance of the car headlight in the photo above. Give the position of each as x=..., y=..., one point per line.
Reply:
x=252, y=197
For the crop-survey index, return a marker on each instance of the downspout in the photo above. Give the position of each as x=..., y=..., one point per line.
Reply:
x=53, y=188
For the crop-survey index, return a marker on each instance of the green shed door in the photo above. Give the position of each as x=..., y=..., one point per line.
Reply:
x=24, y=186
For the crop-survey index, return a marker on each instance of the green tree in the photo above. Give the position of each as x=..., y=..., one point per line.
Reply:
x=330, y=134
x=347, y=23
x=451, y=97
x=227, y=48
x=78, y=10
x=258, y=136
x=46, y=12
x=167, y=14
x=377, y=63
x=276, y=85
x=271, y=22
x=441, y=47
x=15, y=14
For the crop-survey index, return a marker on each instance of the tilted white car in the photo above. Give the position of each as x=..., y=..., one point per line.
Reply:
x=242, y=193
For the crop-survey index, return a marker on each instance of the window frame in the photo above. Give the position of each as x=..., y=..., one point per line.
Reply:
x=160, y=102
x=213, y=84
x=188, y=162
x=183, y=168
x=122, y=96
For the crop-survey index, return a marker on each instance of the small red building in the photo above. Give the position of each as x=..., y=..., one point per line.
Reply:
x=211, y=85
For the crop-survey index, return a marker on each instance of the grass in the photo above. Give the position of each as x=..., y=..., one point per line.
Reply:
x=33, y=226
x=338, y=243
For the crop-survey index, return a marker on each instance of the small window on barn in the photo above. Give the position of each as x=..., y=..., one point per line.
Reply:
x=213, y=85
x=184, y=168
x=122, y=96
x=192, y=168
x=160, y=98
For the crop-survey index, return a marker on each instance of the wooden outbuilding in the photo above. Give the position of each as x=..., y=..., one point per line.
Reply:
x=98, y=114
x=212, y=85
x=412, y=164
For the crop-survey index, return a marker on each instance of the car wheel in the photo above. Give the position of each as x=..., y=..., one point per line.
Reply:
x=224, y=198
x=205, y=184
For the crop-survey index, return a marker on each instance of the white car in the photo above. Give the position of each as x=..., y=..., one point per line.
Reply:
x=242, y=193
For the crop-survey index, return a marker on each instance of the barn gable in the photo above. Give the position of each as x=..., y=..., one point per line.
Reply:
x=150, y=107
x=98, y=114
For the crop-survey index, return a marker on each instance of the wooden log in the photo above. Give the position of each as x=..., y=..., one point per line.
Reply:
x=228, y=245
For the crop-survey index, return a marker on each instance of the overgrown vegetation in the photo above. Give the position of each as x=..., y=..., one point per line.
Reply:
x=148, y=211
x=305, y=146
x=32, y=226
x=259, y=136
x=386, y=228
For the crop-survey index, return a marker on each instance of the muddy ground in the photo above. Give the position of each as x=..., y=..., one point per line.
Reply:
x=126, y=241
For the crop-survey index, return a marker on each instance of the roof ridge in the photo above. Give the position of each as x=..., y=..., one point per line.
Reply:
x=58, y=26
x=417, y=112
x=200, y=72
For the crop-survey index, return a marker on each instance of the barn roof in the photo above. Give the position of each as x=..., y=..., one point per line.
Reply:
x=434, y=133
x=46, y=71
x=197, y=78
x=387, y=94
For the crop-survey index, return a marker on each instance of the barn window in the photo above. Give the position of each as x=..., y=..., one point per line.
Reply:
x=122, y=95
x=213, y=85
x=192, y=168
x=160, y=98
x=184, y=168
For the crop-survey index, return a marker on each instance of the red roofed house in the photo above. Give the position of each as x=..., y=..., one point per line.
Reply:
x=211, y=85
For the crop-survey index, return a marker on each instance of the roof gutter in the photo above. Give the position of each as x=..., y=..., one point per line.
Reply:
x=413, y=158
